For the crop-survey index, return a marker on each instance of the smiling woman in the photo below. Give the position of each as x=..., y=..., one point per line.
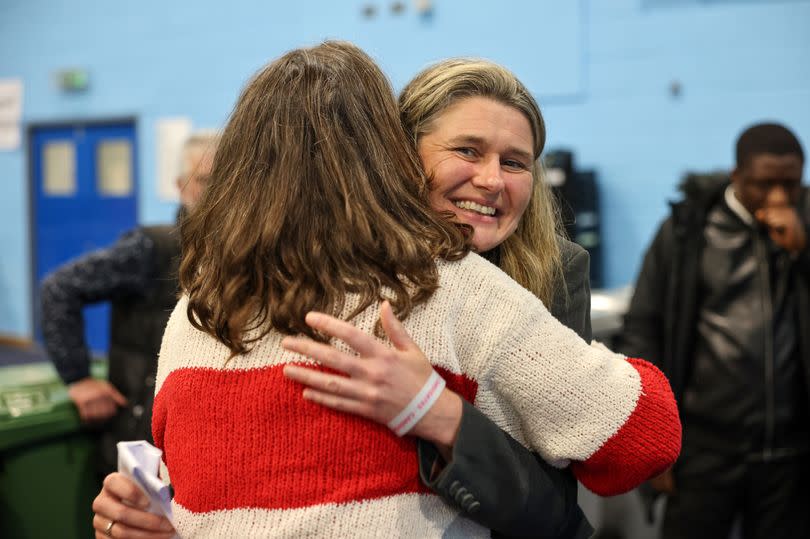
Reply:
x=479, y=134
x=533, y=253
x=479, y=156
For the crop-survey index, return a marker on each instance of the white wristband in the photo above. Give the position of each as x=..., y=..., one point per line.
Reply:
x=419, y=405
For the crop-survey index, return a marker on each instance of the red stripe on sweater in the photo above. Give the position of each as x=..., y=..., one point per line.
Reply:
x=646, y=445
x=248, y=439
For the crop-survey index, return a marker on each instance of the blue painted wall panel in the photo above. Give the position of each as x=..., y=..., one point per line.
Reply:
x=15, y=308
x=600, y=68
x=154, y=59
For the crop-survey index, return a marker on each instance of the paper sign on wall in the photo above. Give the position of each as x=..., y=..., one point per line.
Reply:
x=10, y=100
x=171, y=135
x=10, y=136
x=11, y=94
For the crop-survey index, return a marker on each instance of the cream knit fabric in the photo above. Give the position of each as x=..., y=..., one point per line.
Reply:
x=532, y=376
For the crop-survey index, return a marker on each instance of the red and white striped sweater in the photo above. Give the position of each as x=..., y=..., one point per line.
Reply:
x=249, y=457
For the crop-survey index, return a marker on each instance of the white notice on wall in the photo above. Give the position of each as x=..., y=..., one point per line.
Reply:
x=10, y=136
x=171, y=134
x=11, y=94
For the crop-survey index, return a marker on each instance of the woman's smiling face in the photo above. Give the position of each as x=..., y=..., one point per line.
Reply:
x=479, y=154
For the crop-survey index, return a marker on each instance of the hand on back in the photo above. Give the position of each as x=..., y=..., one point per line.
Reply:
x=379, y=381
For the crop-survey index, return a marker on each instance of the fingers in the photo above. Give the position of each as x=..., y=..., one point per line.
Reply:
x=326, y=383
x=360, y=342
x=122, y=530
x=97, y=409
x=784, y=227
x=324, y=354
x=121, y=501
x=116, y=395
x=86, y=412
x=781, y=217
x=381, y=381
x=333, y=391
x=340, y=404
x=394, y=328
x=363, y=343
x=664, y=482
x=123, y=488
x=96, y=400
x=774, y=220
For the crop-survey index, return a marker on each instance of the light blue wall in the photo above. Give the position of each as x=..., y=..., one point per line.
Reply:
x=737, y=62
x=600, y=68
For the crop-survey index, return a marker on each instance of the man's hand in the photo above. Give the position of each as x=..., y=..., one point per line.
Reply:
x=664, y=483
x=96, y=400
x=784, y=226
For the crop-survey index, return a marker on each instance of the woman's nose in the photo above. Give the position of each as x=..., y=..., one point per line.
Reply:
x=490, y=176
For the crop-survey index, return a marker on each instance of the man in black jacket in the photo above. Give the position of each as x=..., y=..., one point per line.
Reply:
x=138, y=275
x=722, y=305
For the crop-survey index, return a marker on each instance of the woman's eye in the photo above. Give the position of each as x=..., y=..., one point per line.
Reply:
x=515, y=164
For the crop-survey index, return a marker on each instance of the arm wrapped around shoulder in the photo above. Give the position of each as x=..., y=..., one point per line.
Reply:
x=614, y=420
x=647, y=444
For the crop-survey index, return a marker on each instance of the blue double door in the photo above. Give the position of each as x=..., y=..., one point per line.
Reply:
x=84, y=185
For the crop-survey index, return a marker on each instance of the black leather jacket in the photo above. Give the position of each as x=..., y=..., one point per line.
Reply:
x=663, y=325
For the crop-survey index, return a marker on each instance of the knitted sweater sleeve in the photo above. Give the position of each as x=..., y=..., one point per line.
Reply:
x=614, y=419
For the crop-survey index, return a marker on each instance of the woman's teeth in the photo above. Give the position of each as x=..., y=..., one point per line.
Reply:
x=478, y=208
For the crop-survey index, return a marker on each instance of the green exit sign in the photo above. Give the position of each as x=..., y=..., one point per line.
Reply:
x=73, y=80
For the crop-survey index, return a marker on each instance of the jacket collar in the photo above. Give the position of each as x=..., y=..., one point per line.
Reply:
x=736, y=206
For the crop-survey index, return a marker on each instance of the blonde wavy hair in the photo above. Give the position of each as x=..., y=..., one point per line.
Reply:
x=531, y=256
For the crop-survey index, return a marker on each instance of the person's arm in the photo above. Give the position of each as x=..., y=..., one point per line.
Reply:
x=614, y=418
x=456, y=441
x=101, y=275
x=524, y=495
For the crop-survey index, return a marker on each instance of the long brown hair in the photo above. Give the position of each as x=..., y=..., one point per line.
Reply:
x=315, y=194
x=531, y=256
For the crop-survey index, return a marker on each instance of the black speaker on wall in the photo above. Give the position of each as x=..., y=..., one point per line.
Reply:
x=578, y=197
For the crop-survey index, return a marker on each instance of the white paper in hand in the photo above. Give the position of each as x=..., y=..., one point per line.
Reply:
x=140, y=461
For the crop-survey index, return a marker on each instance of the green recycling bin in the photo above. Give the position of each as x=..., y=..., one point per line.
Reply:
x=47, y=459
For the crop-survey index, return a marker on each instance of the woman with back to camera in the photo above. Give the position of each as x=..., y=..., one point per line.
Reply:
x=226, y=306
